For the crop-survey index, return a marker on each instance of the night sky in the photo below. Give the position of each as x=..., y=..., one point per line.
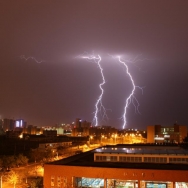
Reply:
x=64, y=86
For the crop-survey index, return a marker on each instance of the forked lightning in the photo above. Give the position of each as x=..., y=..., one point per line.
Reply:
x=131, y=97
x=98, y=105
x=33, y=58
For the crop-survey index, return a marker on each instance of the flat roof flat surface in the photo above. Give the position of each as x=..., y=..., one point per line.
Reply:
x=86, y=159
x=158, y=150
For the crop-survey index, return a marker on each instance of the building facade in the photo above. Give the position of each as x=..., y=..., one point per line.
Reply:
x=168, y=134
x=11, y=124
x=8, y=124
x=121, y=166
x=50, y=133
x=81, y=128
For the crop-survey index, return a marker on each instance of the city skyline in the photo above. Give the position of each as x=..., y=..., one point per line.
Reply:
x=45, y=83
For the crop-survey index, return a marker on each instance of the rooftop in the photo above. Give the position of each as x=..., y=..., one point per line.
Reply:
x=133, y=149
x=86, y=159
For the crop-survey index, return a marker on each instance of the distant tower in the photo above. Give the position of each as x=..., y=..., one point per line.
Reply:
x=20, y=123
x=78, y=123
x=8, y=124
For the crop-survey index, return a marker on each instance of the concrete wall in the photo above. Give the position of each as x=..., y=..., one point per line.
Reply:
x=150, y=134
x=183, y=132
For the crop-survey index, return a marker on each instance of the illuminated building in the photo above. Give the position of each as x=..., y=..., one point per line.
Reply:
x=121, y=166
x=54, y=145
x=81, y=128
x=60, y=130
x=11, y=124
x=19, y=123
x=173, y=134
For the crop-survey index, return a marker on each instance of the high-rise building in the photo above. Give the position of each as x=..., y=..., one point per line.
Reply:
x=20, y=123
x=11, y=124
x=8, y=124
x=81, y=128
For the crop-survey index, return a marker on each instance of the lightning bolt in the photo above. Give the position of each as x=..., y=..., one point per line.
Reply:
x=33, y=58
x=131, y=97
x=98, y=105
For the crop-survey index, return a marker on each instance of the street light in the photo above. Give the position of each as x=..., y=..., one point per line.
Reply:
x=1, y=181
x=115, y=137
x=102, y=136
x=90, y=138
x=57, y=156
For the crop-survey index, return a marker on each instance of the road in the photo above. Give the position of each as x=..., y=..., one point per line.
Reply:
x=35, y=170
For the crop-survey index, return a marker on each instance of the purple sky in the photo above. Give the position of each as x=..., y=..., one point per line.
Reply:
x=65, y=87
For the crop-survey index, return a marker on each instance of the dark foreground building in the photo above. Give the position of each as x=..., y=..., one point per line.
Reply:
x=121, y=166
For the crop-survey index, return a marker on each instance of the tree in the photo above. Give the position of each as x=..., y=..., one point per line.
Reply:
x=9, y=161
x=49, y=155
x=1, y=162
x=36, y=155
x=13, y=178
x=37, y=183
x=25, y=174
x=21, y=160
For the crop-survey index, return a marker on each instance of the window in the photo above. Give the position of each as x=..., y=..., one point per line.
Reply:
x=132, y=159
x=64, y=182
x=59, y=181
x=153, y=159
x=145, y=159
x=121, y=159
x=52, y=181
x=136, y=159
x=161, y=159
x=101, y=158
x=108, y=158
x=128, y=159
x=97, y=158
x=113, y=158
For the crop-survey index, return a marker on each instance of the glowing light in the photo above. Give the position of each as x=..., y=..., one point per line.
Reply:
x=98, y=105
x=131, y=97
x=33, y=58
x=21, y=136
